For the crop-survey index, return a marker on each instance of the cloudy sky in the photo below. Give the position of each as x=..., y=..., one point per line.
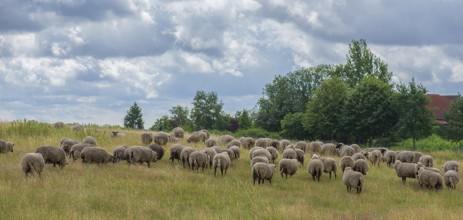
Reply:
x=87, y=61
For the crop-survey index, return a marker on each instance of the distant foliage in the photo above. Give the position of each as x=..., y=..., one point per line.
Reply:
x=454, y=129
x=134, y=117
x=429, y=144
x=26, y=128
x=207, y=111
x=257, y=133
x=292, y=127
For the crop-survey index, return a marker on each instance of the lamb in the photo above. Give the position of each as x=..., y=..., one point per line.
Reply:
x=234, y=143
x=210, y=152
x=140, y=154
x=329, y=165
x=67, y=143
x=197, y=136
x=273, y=152
x=288, y=167
x=346, y=161
x=262, y=142
x=352, y=178
x=161, y=138
x=451, y=165
x=389, y=157
x=6, y=147
x=430, y=179
x=237, y=151
x=185, y=154
x=315, y=167
x=221, y=161
x=32, y=162
x=197, y=159
x=375, y=157
x=328, y=148
x=262, y=172
x=211, y=142
x=289, y=153
x=284, y=143
x=451, y=179
x=89, y=140
x=426, y=160
x=74, y=153
x=118, y=153
x=404, y=170
x=358, y=155
x=300, y=155
x=146, y=138
x=247, y=142
x=315, y=147
x=361, y=166
x=225, y=139
x=158, y=149
x=178, y=132
x=301, y=145
x=96, y=155
x=262, y=152
x=257, y=159
x=175, y=151
x=53, y=155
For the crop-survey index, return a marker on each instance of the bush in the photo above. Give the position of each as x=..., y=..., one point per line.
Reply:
x=431, y=143
x=257, y=133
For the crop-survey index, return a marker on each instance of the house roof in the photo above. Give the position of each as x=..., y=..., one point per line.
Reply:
x=440, y=104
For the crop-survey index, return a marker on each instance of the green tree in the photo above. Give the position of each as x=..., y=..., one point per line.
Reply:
x=180, y=116
x=244, y=119
x=292, y=127
x=361, y=62
x=288, y=94
x=415, y=120
x=134, y=117
x=163, y=123
x=323, y=117
x=207, y=111
x=454, y=129
x=368, y=112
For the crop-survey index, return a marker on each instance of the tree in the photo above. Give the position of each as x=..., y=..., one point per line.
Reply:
x=323, y=117
x=244, y=119
x=292, y=126
x=361, y=62
x=415, y=120
x=180, y=116
x=162, y=124
x=368, y=112
x=288, y=94
x=207, y=111
x=134, y=117
x=454, y=129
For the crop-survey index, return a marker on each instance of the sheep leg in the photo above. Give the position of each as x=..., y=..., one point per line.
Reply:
x=403, y=180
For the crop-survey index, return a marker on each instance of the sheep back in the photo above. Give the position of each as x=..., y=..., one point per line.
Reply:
x=32, y=162
x=53, y=155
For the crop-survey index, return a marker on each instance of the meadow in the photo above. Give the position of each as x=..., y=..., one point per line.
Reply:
x=169, y=191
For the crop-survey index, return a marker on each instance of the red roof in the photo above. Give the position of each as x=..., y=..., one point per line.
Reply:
x=440, y=104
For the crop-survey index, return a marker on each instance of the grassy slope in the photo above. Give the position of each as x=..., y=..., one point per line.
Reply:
x=168, y=190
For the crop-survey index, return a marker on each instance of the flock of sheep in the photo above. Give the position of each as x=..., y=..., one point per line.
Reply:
x=263, y=153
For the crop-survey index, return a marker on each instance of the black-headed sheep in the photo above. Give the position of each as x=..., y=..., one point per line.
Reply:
x=32, y=162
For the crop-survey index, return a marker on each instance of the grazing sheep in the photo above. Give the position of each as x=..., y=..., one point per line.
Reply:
x=451, y=165
x=328, y=149
x=361, y=166
x=247, y=142
x=451, y=179
x=221, y=161
x=178, y=132
x=225, y=139
x=211, y=142
x=315, y=167
x=419, y=166
x=430, y=179
x=301, y=145
x=197, y=136
x=375, y=157
x=67, y=143
x=315, y=147
x=300, y=156
x=409, y=156
x=161, y=138
x=78, y=128
x=262, y=152
x=357, y=156
x=175, y=151
x=146, y=138
x=96, y=155
x=426, y=160
x=404, y=170
x=140, y=154
x=258, y=159
x=173, y=139
x=262, y=142
x=32, y=162
x=346, y=161
x=289, y=153
x=58, y=124
x=158, y=149
x=185, y=154
x=234, y=143
x=416, y=156
x=53, y=155
x=197, y=159
x=205, y=131
x=346, y=151
x=210, y=152
x=352, y=178
x=274, y=152
x=329, y=165
x=118, y=153
x=356, y=147
x=390, y=157
x=284, y=143
x=230, y=153
x=275, y=144
x=262, y=172
x=89, y=140
x=217, y=149
x=6, y=147
x=288, y=167
x=74, y=153
x=252, y=150
x=237, y=151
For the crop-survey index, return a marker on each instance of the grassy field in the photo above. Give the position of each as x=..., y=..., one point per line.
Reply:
x=168, y=191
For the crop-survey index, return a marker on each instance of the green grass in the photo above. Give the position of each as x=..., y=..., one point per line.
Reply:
x=168, y=191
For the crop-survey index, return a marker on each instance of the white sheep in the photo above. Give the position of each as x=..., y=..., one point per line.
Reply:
x=315, y=167
x=288, y=167
x=451, y=179
x=451, y=165
x=221, y=161
x=346, y=161
x=262, y=172
x=32, y=162
x=354, y=179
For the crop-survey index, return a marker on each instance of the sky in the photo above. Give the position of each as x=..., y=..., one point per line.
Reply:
x=88, y=61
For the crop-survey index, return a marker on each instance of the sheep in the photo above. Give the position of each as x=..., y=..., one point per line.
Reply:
x=389, y=157
x=252, y=150
x=6, y=147
x=225, y=139
x=32, y=162
x=211, y=142
x=262, y=152
x=284, y=143
x=175, y=151
x=185, y=154
x=247, y=142
x=78, y=128
x=361, y=166
x=96, y=155
x=173, y=139
x=146, y=138
x=197, y=136
x=346, y=151
x=352, y=178
x=404, y=170
x=273, y=152
x=315, y=147
x=230, y=153
x=161, y=138
x=328, y=148
x=346, y=161
x=288, y=167
x=315, y=167
x=416, y=156
x=234, y=143
x=430, y=179
x=375, y=157
x=58, y=124
x=409, y=156
x=301, y=145
x=275, y=144
x=140, y=154
x=426, y=160
x=262, y=142
x=210, y=152
x=451, y=179
x=262, y=172
x=178, y=132
x=451, y=165
x=118, y=153
x=356, y=147
x=197, y=159
x=300, y=155
x=158, y=149
x=258, y=159
x=217, y=149
x=221, y=161
x=289, y=153
x=206, y=132
x=67, y=143
x=357, y=156
x=419, y=166
x=329, y=165
x=89, y=140
x=74, y=153
x=53, y=155
x=237, y=151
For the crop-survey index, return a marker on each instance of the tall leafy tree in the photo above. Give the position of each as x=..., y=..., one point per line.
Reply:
x=134, y=117
x=415, y=120
x=207, y=111
x=180, y=116
x=244, y=119
x=368, y=111
x=454, y=129
x=288, y=94
x=162, y=124
x=292, y=127
x=323, y=117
